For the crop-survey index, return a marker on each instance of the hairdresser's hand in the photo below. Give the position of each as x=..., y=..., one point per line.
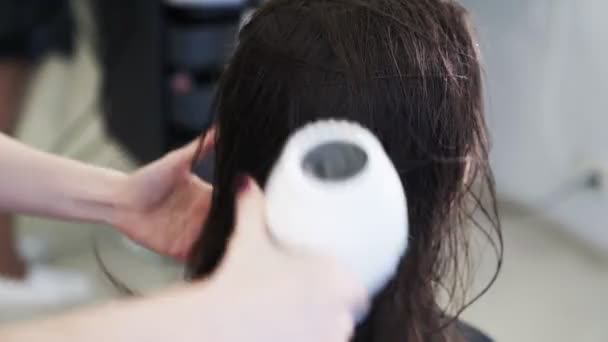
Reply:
x=281, y=295
x=260, y=293
x=163, y=205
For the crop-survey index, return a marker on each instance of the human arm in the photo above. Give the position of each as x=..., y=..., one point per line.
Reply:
x=260, y=293
x=162, y=205
x=38, y=183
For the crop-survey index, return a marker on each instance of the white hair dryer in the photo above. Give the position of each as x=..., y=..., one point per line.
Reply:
x=335, y=191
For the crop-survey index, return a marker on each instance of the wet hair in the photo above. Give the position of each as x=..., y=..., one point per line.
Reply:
x=409, y=71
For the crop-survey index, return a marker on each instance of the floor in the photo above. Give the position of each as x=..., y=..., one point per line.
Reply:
x=550, y=288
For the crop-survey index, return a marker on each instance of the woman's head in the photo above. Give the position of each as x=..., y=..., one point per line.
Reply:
x=408, y=70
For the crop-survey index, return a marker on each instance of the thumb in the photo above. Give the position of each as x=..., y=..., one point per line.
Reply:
x=186, y=157
x=200, y=148
x=250, y=211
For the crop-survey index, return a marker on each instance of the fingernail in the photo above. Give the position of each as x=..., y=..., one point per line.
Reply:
x=241, y=183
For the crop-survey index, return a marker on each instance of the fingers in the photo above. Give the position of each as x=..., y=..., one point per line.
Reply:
x=344, y=329
x=205, y=188
x=348, y=289
x=199, y=148
x=203, y=148
x=250, y=220
x=358, y=297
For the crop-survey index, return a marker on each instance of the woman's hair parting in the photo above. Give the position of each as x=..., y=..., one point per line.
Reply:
x=409, y=71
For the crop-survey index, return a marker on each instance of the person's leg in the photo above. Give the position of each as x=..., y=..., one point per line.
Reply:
x=27, y=284
x=14, y=75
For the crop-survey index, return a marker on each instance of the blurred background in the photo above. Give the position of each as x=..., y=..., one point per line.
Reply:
x=131, y=85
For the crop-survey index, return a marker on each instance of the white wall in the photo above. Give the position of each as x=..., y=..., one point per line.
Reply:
x=547, y=86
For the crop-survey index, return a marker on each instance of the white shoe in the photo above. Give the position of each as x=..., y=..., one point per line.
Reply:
x=45, y=289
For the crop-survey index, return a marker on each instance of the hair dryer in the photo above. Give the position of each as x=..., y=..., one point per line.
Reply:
x=334, y=191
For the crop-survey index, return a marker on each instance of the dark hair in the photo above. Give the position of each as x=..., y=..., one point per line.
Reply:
x=409, y=71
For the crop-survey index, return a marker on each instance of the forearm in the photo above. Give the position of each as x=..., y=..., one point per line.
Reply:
x=189, y=316
x=37, y=183
x=101, y=324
